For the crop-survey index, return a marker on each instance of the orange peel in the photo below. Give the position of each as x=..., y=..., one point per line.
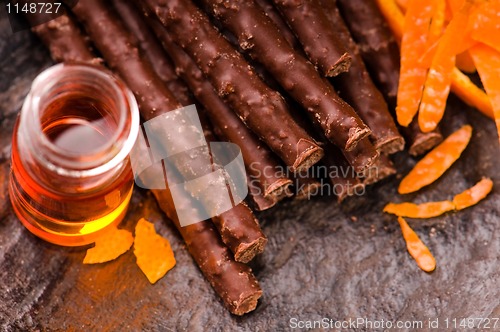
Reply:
x=152, y=251
x=109, y=246
x=487, y=61
x=436, y=162
x=416, y=248
x=438, y=81
x=473, y=195
x=461, y=85
x=419, y=211
x=413, y=72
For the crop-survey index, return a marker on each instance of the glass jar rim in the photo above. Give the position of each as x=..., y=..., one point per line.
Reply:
x=110, y=154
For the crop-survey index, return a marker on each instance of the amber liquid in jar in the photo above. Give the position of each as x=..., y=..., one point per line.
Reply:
x=71, y=177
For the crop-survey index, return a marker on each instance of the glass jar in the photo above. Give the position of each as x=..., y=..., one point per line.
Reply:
x=71, y=177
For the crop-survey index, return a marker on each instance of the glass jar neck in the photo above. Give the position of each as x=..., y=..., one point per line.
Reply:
x=77, y=122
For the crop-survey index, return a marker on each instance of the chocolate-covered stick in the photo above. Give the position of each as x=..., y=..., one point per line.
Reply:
x=296, y=75
x=277, y=19
x=357, y=88
x=234, y=282
x=122, y=55
x=262, y=109
x=305, y=186
x=309, y=23
x=363, y=156
x=63, y=38
x=259, y=160
x=239, y=229
x=420, y=142
x=256, y=197
x=377, y=45
x=151, y=49
x=382, y=169
x=240, y=232
x=380, y=53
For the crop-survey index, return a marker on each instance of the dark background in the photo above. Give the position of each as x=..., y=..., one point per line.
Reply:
x=322, y=259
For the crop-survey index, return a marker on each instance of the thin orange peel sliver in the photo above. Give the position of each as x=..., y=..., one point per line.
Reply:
x=419, y=211
x=465, y=199
x=437, y=161
x=416, y=248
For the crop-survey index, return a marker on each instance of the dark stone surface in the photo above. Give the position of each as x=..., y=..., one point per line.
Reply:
x=318, y=263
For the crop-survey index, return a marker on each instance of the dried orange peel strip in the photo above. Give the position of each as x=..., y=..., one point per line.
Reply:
x=109, y=246
x=153, y=252
x=437, y=161
x=419, y=211
x=473, y=195
x=471, y=94
x=394, y=17
x=461, y=201
x=461, y=85
x=438, y=81
x=416, y=248
x=487, y=62
x=485, y=24
x=438, y=20
x=413, y=72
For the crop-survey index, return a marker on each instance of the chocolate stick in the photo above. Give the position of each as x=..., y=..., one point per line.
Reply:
x=311, y=26
x=63, y=38
x=151, y=49
x=380, y=52
x=363, y=156
x=241, y=233
x=262, y=109
x=121, y=53
x=164, y=68
x=377, y=45
x=420, y=142
x=233, y=281
x=357, y=88
x=263, y=41
x=383, y=168
x=239, y=229
x=259, y=160
x=305, y=187
x=284, y=29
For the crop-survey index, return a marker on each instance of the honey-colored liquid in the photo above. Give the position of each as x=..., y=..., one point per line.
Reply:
x=63, y=210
